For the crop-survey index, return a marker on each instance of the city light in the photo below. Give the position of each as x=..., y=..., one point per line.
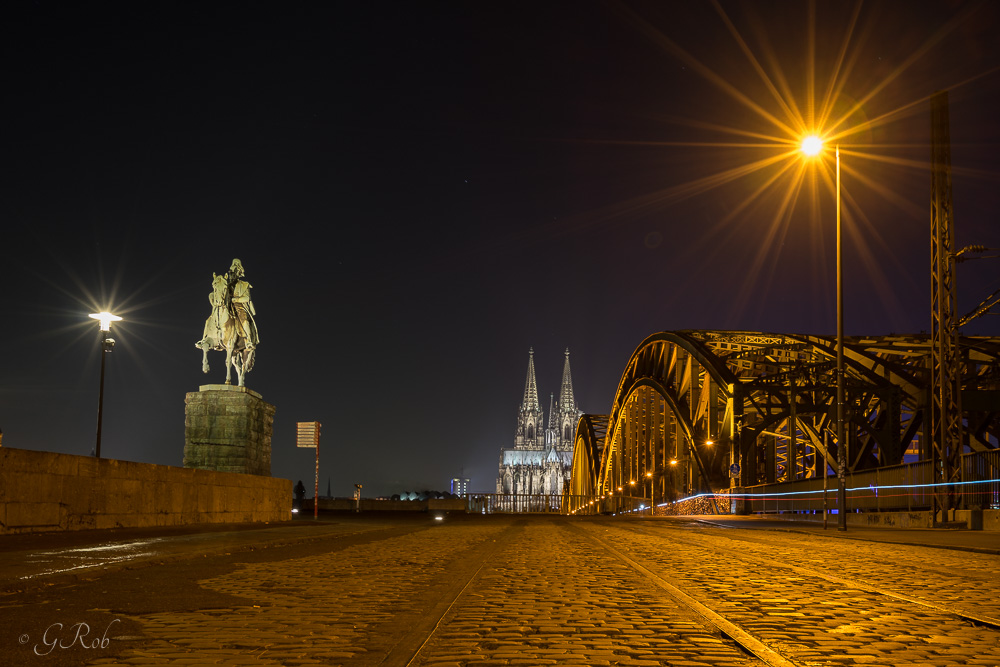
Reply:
x=105, y=319
x=812, y=145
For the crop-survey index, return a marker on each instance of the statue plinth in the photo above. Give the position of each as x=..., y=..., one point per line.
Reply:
x=228, y=428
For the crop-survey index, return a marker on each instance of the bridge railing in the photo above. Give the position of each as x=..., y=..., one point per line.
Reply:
x=587, y=505
x=513, y=503
x=982, y=472
x=904, y=487
x=907, y=487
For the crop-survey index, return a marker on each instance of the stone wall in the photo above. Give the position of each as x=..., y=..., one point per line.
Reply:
x=227, y=429
x=43, y=491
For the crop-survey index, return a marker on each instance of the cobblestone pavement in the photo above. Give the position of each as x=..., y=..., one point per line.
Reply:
x=959, y=580
x=743, y=576
x=507, y=591
x=318, y=610
x=553, y=597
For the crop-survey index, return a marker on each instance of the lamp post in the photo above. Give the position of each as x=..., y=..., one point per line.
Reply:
x=678, y=479
x=811, y=146
x=107, y=343
x=649, y=476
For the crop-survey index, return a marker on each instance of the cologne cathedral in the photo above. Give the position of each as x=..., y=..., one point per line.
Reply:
x=542, y=457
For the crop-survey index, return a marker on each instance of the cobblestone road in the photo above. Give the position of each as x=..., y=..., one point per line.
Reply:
x=764, y=583
x=508, y=591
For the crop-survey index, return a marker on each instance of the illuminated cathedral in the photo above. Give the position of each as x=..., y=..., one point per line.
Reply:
x=542, y=456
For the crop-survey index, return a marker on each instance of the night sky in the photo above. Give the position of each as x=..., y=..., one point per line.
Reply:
x=420, y=192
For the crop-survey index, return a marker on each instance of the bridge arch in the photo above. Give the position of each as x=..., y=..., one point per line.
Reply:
x=585, y=472
x=699, y=411
x=664, y=425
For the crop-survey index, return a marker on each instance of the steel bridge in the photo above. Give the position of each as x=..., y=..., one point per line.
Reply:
x=729, y=418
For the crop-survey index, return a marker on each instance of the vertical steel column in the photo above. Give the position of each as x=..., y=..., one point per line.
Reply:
x=945, y=399
x=665, y=463
x=793, y=435
x=841, y=439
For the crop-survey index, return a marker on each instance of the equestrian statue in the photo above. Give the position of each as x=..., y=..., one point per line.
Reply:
x=231, y=326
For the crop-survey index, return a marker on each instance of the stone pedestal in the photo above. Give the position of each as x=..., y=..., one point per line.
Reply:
x=228, y=429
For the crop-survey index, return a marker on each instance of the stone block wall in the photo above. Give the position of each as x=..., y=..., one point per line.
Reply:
x=43, y=491
x=228, y=429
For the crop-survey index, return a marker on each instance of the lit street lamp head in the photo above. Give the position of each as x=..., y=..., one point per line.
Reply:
x=106, y=319
x=812, y=145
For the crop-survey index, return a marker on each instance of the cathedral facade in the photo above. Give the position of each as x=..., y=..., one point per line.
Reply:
x=542, y=457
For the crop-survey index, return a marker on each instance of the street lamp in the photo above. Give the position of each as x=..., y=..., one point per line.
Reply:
x=811, y=146
x=652, y=500
x=107, y=343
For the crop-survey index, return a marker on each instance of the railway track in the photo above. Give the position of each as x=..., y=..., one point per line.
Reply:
x=620, y=542
x=977, y=618
x=754, y=646
x=759, y=646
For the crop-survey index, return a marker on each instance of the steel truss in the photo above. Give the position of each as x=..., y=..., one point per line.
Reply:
x=706, y=411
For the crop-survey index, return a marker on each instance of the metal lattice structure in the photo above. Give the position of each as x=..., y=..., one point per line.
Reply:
x=946, y=395
x=706, y=411
x=591, y=432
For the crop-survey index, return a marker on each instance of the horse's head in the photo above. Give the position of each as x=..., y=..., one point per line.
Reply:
x=219, y=290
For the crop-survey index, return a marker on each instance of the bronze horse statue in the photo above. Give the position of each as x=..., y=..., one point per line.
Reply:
x=223, y=332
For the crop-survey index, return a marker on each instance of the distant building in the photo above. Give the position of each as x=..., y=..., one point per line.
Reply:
x=460, y=486
x=542, y=457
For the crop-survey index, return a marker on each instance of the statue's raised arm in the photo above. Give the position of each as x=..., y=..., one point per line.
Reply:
x=231, y=326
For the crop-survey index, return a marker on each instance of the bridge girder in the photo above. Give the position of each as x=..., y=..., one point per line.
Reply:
x=706, y=400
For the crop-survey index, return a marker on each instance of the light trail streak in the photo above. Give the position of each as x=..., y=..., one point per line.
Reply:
x=818, y=493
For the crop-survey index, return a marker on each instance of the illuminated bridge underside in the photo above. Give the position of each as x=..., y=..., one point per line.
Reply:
x=699, y=411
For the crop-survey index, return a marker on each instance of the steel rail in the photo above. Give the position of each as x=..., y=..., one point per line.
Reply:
x=748, y=642
x=978, y=619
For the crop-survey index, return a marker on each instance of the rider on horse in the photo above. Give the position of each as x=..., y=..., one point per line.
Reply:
x=231, y=326
x=240, y=306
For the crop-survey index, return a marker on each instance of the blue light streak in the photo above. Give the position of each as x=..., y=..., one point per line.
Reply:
x=819, y=492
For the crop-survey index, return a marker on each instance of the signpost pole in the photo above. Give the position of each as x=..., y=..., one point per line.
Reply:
x=307, y=435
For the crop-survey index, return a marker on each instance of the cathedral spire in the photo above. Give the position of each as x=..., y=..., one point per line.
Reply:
x=530, y=401
x=552, y=411
x=566, y=400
